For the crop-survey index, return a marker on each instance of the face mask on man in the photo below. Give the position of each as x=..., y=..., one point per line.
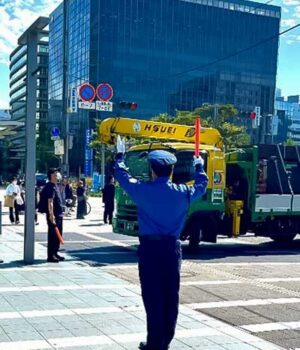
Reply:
x=14, y=182
x=59, y=177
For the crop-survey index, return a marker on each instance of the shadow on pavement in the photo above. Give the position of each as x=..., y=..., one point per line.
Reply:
x=226, y=250
x=113, y=254
x=106, y=255
x=20, y=263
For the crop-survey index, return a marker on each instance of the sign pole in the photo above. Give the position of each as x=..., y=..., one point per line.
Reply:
x=197, y=135
x=102, y=165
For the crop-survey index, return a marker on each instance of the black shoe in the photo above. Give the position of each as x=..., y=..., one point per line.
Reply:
x=1, y=261
x=53, y=259
x=59, y=257
x=143, y=346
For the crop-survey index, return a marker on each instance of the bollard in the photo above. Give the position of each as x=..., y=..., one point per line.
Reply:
x=0, y=218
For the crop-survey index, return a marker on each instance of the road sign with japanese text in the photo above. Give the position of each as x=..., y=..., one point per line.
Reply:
x=104, y=106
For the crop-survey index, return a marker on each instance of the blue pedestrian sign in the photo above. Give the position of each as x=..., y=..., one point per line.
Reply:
x=55, y=132
x=86, y=92
x=104, y=92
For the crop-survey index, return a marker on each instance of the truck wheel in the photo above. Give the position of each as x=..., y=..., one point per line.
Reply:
x=284, y=238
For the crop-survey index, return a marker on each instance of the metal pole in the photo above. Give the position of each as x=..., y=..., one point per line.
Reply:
x=32, y=39
x=65, y=116
x=263, y=129
x=102, y=165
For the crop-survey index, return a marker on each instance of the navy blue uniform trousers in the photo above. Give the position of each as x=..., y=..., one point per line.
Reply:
x=159, y=270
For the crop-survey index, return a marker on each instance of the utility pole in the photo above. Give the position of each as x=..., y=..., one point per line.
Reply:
x=65, y=95
x=263, y=129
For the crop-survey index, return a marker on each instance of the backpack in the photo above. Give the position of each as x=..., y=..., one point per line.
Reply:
x=43, y=202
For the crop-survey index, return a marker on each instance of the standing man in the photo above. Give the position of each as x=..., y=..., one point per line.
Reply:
x=54, y=213
x=109, y=199
x=13, y=190
x=162, y=208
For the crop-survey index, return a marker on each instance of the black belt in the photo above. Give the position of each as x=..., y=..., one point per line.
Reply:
x=146, y=238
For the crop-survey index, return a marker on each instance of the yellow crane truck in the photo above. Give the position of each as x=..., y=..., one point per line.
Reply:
x=251, y=188
x=205, y=214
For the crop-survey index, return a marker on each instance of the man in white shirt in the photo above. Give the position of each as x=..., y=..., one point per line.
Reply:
x=13, y=190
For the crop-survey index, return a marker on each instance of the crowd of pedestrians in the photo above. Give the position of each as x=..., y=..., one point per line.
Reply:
x=56, y=197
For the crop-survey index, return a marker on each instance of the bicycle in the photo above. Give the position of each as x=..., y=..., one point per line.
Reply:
x=88, y=208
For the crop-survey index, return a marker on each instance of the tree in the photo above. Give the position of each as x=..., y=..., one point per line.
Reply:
x=222, y=117
x=45, y=157
x=289, y=142
x=163, y=118
x=109, y=152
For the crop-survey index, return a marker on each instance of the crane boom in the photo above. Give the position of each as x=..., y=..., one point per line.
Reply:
x=137, y=128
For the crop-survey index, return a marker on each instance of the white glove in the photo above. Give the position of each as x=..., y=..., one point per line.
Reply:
x=198, y=160
x=120, y=145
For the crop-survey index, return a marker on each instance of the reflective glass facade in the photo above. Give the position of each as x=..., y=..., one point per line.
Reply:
x=74, y=21
x=18, y=92
x=167, y=54
x=173, y=54
x=288, y=115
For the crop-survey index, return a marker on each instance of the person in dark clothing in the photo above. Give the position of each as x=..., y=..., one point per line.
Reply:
x=54, y=214
x=162, y=209
x=68, y=196
x=81, y=200
x=109, y=200
x=68, y=190
x=36, y=196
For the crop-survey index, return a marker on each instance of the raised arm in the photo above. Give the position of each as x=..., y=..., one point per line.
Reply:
x=126, y=181
x=201, y=180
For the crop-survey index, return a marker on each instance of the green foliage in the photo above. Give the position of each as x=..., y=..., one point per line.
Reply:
x=95, y=194
x=290, y=142
x=224, y=118
x=163, y=118
x=109, y=152
x=45, y=157
x=8, y=167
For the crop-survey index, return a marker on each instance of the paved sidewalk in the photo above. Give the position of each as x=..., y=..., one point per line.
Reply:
x=74, y=306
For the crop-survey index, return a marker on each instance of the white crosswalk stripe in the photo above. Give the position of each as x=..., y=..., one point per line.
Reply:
x=272, y=326
x=111, y=339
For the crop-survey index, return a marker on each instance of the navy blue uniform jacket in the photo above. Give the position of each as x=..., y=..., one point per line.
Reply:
x=162, y=205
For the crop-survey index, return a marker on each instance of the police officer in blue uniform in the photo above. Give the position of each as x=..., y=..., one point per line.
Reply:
x=162, y=208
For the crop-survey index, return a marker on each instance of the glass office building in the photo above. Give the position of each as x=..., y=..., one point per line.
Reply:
x=166, y=54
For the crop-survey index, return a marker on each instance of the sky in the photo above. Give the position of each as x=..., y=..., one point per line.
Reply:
x=17, y=15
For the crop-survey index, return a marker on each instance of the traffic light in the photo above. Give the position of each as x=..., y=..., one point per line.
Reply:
x=128, y=105
x=254, y=119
